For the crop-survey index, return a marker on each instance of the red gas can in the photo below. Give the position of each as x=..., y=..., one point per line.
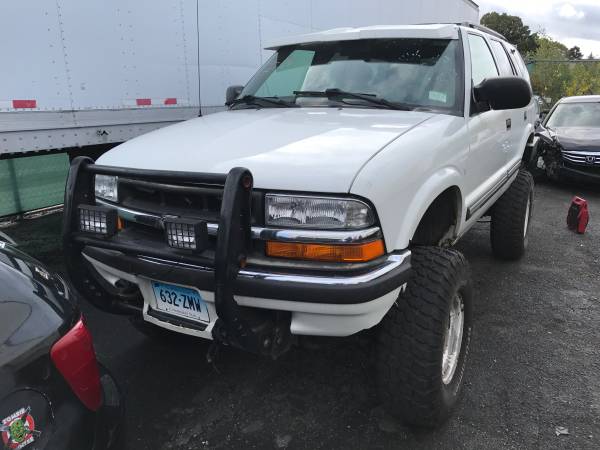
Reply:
x=579, y=215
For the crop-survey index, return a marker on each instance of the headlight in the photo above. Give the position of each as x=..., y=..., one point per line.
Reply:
x=106, y=188
x=317, y=212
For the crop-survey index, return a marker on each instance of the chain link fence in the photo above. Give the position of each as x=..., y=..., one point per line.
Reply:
x=555, y=79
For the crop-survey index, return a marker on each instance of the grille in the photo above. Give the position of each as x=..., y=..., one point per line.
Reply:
x=176, y=203
x=195, y=202
x=590, y=159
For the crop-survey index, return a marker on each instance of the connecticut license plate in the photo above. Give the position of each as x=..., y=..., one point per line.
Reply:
x=180, y=301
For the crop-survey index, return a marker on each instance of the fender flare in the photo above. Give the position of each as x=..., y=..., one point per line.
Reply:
x=438, y=182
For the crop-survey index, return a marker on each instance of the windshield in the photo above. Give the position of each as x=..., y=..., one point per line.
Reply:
x=586, y=115
x=422, y=73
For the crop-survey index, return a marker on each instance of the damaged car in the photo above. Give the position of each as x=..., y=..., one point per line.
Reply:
x=569, y=140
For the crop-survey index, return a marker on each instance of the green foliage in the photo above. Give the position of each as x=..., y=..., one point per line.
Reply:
x=556, y=71
x=554, y=79
x=513, y=29
x=547, y=48
x=548, y=78
x=585, y=80
x=574, y=53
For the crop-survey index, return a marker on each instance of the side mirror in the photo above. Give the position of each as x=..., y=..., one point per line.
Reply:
x=232, y=93
x=504, y=93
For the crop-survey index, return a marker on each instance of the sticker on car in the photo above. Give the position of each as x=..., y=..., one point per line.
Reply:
x=18, y=429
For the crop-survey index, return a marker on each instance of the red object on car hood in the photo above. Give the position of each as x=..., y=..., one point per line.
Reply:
x=74, y=357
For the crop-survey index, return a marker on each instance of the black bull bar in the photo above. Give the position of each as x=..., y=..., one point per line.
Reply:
x=258, y=331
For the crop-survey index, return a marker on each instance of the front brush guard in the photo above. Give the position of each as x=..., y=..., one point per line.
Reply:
x=258, y=331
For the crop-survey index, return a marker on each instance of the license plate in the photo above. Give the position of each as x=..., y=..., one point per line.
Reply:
x=180, y=301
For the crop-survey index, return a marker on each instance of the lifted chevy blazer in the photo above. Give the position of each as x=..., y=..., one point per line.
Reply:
x=324, y=201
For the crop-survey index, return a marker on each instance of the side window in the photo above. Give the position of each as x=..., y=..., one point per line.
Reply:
x=518, y=62
x=522, y=64
x=482, y=61
x=506, y=69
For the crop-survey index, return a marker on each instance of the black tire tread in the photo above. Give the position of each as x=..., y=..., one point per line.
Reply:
x=410, y=341
x=506, y=231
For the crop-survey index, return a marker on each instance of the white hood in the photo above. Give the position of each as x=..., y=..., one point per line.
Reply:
x=295, y=149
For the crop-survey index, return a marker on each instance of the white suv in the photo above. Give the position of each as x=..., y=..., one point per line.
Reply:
x=324, y=201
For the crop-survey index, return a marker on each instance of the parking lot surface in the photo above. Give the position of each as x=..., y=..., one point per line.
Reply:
x=534, y=361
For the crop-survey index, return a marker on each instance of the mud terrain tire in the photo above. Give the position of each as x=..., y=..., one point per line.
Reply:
x=511, y=218
x=412, y=339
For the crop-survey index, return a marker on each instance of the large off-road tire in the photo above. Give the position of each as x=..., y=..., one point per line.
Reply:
x=511, y=218
x=423, y=341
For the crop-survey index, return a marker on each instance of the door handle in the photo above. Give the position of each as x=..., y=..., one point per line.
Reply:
x=508, y=124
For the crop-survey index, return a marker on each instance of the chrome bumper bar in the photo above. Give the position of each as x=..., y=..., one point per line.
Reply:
x=268, y=283
x=261, y=233
x=392, y=262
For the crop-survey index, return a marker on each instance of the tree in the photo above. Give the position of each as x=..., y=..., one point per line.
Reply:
x=549, y=79
x=574, y=53
x=513, y=29
x=591, y=56
x=553, y=79
x=585, y=80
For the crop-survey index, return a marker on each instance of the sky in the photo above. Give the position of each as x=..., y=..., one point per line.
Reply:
x=574, y=22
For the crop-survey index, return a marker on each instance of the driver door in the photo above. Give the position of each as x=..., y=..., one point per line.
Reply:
x=489, y=134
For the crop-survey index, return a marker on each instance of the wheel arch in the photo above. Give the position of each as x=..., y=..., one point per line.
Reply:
x=443, y=187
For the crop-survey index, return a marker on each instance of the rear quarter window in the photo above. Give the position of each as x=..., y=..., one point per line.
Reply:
x=518, y=62
x=504, y=64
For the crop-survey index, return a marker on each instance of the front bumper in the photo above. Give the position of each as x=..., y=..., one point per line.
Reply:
x=255, y=307
x=581, y=173
x=320, y=304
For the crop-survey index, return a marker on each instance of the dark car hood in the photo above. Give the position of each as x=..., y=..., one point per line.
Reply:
x=36, y=308
x=578, y=139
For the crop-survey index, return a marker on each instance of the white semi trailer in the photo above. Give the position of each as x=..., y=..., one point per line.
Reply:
x=78, y=74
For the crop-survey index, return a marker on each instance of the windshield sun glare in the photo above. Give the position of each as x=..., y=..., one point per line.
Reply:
x=420, y=73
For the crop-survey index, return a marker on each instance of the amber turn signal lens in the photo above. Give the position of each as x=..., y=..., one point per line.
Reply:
x=333, y=253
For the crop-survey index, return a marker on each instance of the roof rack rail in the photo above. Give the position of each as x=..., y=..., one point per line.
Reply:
x=483, y=28
x=475, y=26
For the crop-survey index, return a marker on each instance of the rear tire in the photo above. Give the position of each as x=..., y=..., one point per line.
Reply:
x=511, y=218
x=423, y=341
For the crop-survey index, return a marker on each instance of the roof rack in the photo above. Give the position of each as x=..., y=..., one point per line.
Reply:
x=482, y=28
x=475, y=26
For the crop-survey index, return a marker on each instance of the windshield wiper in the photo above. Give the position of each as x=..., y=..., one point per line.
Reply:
x=337, y=94
x=262, y=101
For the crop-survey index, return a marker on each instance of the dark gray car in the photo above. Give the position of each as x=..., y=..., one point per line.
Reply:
x=53, y=393
x=569, y=140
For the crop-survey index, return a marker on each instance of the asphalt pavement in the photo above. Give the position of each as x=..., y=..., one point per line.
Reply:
x=534, y=362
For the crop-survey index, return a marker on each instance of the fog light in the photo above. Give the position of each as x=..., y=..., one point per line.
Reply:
x=97, y=219
x=186, y=234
